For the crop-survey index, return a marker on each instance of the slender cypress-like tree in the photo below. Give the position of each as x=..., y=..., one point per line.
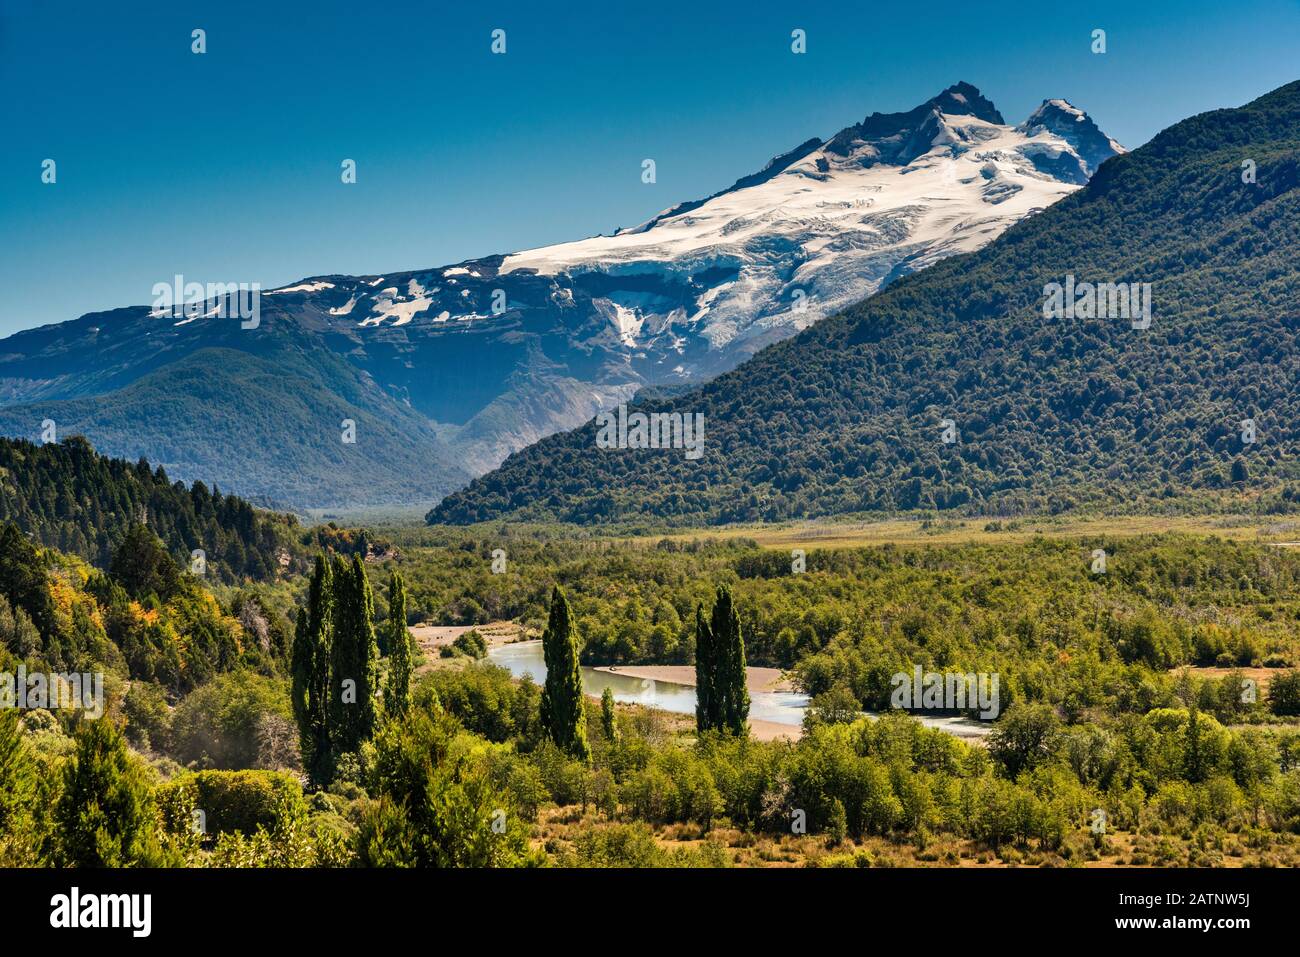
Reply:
x=343, y=671
x=300, y=674
x=732, y=677
x=354, y=674
x=706, y=708
x=562, y=712
x=722, y=696
x=397, y=695
x=368, y=652
x=608, y=721
x=317, y=753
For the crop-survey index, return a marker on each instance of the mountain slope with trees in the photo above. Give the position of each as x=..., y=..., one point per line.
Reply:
x=1047, y=413
x=446, y=371
x=265, y=410
x=66, y=496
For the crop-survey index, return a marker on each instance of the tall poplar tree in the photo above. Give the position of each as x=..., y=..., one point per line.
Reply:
x=563, y=715
x=721, y=691
x=397, y=695
x=300, y=663
x=731, y=681
x=608, y=720
x=706, y=706
x=354, y=674
x=314, y=659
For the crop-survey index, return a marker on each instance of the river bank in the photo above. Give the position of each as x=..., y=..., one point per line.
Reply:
x=757, y=679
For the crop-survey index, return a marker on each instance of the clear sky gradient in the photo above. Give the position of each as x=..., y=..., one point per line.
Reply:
x=225, y=166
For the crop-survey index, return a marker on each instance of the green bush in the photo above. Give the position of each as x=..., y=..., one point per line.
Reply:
x=487, y=701
x=471, y=643
x=215, y=726
x=243, y=800
x=437, y=805
x=148, y=719
x=1284, y=693
x=633, y=845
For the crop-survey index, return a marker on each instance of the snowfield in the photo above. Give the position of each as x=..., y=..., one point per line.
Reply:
x=828, y=226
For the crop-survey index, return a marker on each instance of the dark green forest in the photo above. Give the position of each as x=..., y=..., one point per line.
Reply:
x=66, y=496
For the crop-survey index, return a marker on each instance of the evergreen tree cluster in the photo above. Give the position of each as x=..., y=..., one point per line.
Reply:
x=335, y=663
x=67, y=496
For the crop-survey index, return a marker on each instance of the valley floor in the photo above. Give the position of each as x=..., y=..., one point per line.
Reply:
x=560, y=827
x=1280, y=531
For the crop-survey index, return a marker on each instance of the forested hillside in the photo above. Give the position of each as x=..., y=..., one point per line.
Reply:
x=66, y=496
x=1046, y=413
x=261, y=410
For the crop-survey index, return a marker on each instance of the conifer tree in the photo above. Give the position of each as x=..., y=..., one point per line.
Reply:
x=143, y=567
x=342, y=694
x=367, y=652
x=300, y=665
x=721, y=692
x=23, y=580
x=730, y=682
x=397, y=696
x=562, y=711
x=317, y=754
x=354, y=673
x=608, y=721
x=706, y=710
x=104, y=816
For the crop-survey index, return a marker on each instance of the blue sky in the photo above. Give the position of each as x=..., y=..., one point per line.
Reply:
x=225, y=166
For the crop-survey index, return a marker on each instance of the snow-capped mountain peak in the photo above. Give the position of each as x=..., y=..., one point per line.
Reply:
x=898, y=138
x=1063, y=119
x=500, y=351
x=825, y=225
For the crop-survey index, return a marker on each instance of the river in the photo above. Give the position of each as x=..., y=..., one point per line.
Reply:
x=779, y=707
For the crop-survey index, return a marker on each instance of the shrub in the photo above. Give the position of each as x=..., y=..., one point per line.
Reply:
x=1284, y=693
x=216, y=726
x=1025, y=736
x=243, y=800
x=105, y=815
x=148, y=719
x=437, y=805
x=487, y=701
x=471, y=643
x=633, y=845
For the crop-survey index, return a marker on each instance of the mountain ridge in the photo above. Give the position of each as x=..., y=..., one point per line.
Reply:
x=453, y=368
x=1048, y=414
